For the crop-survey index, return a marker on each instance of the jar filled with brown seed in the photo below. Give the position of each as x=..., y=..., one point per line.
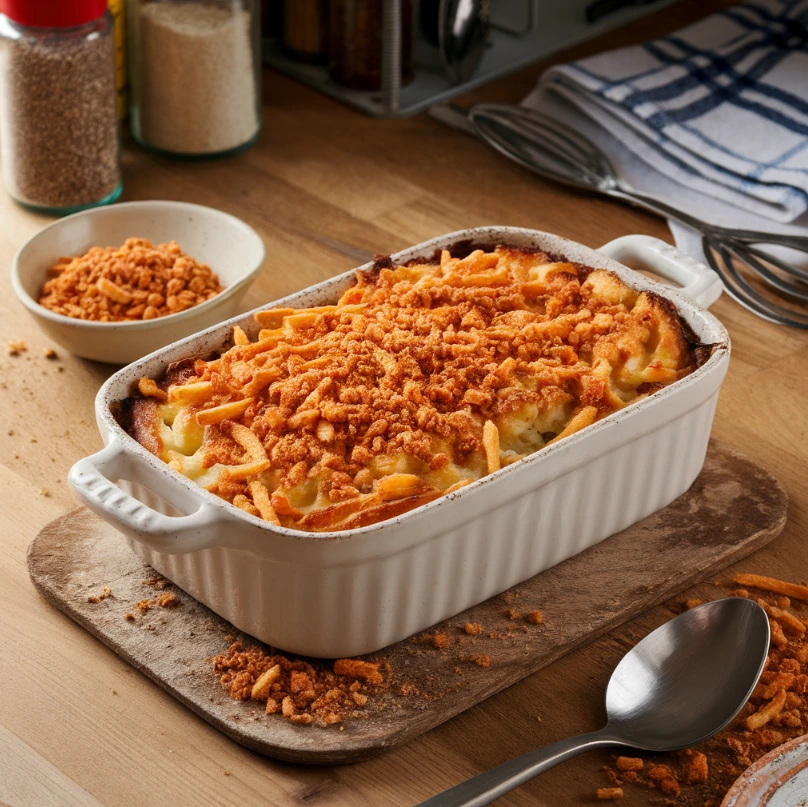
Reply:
x=59, y=133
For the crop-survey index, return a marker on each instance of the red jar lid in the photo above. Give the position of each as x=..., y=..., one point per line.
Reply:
x=53, y=13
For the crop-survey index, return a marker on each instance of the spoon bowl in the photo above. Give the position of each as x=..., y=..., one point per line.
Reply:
x=463, y=31
x=680, y=685
x=686, y=681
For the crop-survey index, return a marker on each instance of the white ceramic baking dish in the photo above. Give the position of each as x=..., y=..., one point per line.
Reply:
x=353, y=592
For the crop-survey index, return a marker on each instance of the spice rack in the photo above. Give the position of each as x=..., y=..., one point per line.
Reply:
x=522, y=32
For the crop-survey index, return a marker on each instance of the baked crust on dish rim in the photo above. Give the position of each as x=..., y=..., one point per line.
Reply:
x=421, y=379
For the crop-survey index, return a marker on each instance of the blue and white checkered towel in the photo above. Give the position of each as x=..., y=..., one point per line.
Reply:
x=719, y=107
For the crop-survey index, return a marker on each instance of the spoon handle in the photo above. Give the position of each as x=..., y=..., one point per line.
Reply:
x=489, y=786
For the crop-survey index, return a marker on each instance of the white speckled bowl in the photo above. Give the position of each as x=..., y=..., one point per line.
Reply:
x=229, y=246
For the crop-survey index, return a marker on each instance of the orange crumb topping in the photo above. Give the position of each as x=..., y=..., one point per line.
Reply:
x=421, y=379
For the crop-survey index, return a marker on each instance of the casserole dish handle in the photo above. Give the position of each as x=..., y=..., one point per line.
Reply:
x=93, y=479
x=698, y=283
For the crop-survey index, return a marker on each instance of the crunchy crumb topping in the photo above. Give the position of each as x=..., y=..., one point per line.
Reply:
x=422, y=379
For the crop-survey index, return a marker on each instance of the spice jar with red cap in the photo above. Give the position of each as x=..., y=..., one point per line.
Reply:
x=59, y=137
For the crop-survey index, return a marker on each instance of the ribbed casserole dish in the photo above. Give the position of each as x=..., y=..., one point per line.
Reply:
x=354, y=591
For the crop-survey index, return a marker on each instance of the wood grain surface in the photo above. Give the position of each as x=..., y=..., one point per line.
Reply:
x=326, y=187
x=732, y=509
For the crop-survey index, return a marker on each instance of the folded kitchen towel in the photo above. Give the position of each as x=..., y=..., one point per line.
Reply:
x=713, y=118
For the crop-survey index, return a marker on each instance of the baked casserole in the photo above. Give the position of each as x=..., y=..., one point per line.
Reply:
x=420, y=380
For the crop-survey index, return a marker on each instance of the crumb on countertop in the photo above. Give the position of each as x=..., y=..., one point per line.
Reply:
x=301, y=693
x=158, y=582
x=96, y=598
x=629, y=764
x=357, y=668
x=168, y=600
x=144, y=605
x=440, y=641
x=609, y=793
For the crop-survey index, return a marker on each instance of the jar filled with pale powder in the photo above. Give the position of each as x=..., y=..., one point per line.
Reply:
x=195, y=81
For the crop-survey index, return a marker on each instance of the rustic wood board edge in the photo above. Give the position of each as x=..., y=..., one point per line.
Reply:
x=733, y=509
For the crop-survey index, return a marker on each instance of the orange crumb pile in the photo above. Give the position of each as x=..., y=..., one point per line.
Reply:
x=776, y=712
x=134, y=282
x=96, y=598
x=298, y=691
x=167, y=600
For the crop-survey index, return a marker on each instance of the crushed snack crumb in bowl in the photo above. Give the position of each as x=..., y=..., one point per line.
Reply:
x=229, y=246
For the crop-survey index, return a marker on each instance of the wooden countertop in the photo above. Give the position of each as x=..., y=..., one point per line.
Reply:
x=326, y=188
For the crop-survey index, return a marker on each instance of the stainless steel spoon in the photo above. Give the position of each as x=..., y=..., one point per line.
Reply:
x=462, y=35
x=680, y=685
x=553, y=150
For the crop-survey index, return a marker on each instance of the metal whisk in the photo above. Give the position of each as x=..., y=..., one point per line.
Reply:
x=553, y=150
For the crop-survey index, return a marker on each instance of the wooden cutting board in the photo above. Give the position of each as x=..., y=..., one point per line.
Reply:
x=733, y=508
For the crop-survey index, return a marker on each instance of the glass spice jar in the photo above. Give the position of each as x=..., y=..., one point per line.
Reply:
x=305, y=30
x=195, y=75
x=59, y=134
x=116, y=8
x=355, y=43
